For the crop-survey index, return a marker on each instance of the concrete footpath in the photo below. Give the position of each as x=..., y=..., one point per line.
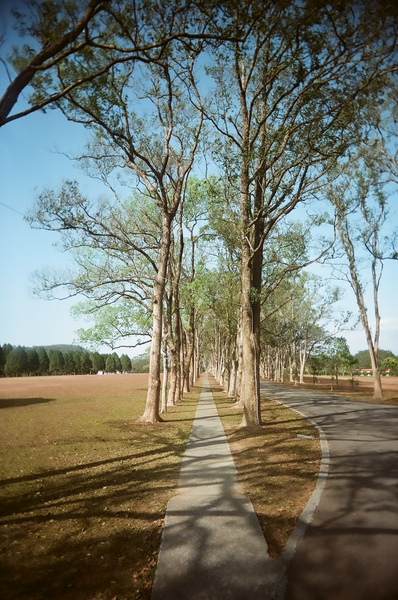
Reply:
x=212, y=545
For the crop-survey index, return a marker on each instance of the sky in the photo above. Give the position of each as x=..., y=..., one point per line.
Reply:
x=29, y=162
x=32, y=157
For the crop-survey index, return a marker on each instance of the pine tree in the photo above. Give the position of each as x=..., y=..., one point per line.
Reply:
x=44, y=363
x=125, y=363
x=17, y=363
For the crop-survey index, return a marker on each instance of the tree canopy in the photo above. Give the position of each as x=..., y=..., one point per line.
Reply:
x=277, y=104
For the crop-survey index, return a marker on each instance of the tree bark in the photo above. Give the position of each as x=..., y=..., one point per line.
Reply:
x=151, y=412
x=342, y=227
x=250, y=298
x=165, y=379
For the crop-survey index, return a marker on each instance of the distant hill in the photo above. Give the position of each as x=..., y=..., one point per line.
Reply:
x=64, y=348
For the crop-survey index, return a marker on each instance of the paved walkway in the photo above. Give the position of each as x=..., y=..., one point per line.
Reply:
x=212, y=546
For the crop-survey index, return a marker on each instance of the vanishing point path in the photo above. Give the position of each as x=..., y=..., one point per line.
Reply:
x=345, y=545
x=212, y=546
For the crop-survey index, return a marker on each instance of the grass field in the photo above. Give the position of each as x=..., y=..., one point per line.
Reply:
x=277, y=469
x=85, y=486
x=357, y=387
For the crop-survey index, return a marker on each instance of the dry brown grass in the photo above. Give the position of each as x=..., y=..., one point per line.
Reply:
x=84, y=486
x=276, y=469
x=359, y=388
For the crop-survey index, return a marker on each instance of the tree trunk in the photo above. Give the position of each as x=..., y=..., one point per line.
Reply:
x=239, y=361
x=343, y=229
x=232, y=381
x=151, y=412
x=252, y=224
x=165, y=379
x=303, y=360
x=188, y=363
x=172, y=377
x=250, y=385
x=197, y=361
x=291, y=370
x=377, y=387
x=172, y=393
x=252, y=266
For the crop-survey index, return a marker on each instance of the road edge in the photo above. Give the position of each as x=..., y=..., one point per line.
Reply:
x=308, y=511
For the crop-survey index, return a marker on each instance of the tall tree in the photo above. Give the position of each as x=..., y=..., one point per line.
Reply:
x=173, y=314
x=198, y=199
x=56, y=362
x=339, y=357
x=125, y=362
x=157, y=144
x=85, y=363
x=71, y=363
x=361, y=210
x=17, y=362
x=112, y=363
x=43, y=360
x=33, y=361
x=98, y=362
x=293, y=103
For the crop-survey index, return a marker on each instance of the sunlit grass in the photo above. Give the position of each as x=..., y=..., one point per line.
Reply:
x=357, y=388
x=84, y=486
x=276, y=469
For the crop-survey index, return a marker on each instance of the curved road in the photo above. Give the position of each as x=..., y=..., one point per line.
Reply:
x=350, y=548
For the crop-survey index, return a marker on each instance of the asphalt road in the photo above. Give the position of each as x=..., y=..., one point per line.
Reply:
x=349, y=550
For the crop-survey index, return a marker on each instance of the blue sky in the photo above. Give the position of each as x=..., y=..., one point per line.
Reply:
x=31, y=159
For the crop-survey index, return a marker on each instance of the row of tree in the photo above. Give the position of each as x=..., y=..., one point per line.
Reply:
x=341, y=362
x=16, y=361
x=292, y=108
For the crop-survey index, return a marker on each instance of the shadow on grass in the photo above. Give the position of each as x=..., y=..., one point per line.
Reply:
x=15, y=402
x=40, y=476
x=90, y=531
x=98, y=566
x=276, y=468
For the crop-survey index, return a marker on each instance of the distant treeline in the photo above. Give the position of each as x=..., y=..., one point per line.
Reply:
x=387, y=361
x=17, y=361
